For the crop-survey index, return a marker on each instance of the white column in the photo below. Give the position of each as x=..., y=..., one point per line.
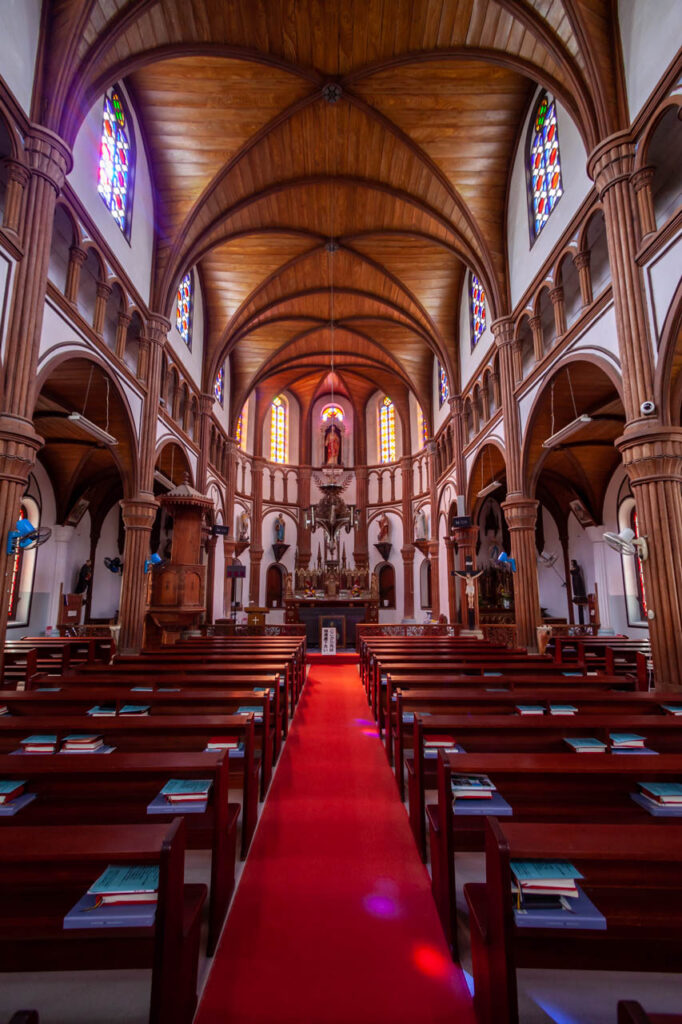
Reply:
x=596, y=535
x=61, y=537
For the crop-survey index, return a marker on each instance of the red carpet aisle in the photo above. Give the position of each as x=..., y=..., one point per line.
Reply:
x=333, y=922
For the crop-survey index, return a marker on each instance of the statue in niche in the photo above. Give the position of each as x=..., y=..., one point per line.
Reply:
x=279, y=529
x=420, y=525
x=332, y=446
x=244, y=526
x=384, y=528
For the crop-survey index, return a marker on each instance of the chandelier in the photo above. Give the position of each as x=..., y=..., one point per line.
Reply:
x=331, y=514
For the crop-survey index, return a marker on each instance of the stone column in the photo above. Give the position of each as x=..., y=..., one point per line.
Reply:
x=517, y=360
x=653, y=461
x=77, y=258
x=48, y=160
x=433, y=542
x=641, y=184
x=256, y=549
x=601, y=576
x=557, y=297
x=581, y=261
x=124, y=321
x=228, y=549
x=450, y=565
x=361, y=546
x=103, y=295
x=303, y=535
x=407, y=550
x=61, y=538
x=203, y=436
x=503, y=333
x=210, y=579
x=138, y=518
x=536, y=329
x=521, y=514
x=18, y=176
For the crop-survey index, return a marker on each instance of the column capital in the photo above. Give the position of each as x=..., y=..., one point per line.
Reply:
x=582, y=259
x=652, y=453
x=158, y=327
x=407, y=553
x=124, y=318
x=19, y=445
x=557, y=294
x=642, y=177
x=48, y=155
x=465, y=536
x=503, y=331
x=17, y=172
x=611, y=161
x=206, y=401
x=139, y=512
x=456, y=405
x=103, y=290
x=520, y=512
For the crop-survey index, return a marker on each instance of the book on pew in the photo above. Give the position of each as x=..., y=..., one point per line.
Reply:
x=39, y=744
x=562, y=709
x=438, y=742
x=248, y=709
x=672, y=709
x=134, y=709
x=585, y=744
x=579, y=913
x=168, y=689
x=141, y=689
x=181, y=796
x=660, y=799
x=102, y=711
x=81, y=743
x=530, y=709
x=544, y=878
x=217, y=743
x=476, y=787
x=626, y=741
x=122, y=897
x=10, y=789
x=477, y=794
x=4, y=710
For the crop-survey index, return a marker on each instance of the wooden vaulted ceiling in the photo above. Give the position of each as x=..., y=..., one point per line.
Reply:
x=255, y=171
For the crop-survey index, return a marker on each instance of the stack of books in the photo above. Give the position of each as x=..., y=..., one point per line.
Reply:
x=477, y=794
x=585, y=744
x=188, y=796
x=628, y=743
x=134, y=709
x=81, y=743
x=562, y=709
x=217, y=743
x=122, y=897
x=4, y=710
x=438, y=742
x=102, y=711
x=256, y=711
x=546, y=895
x=672, y=709
x=13, y=796
x=530, y=709
x=37, y=744
x=661, y=799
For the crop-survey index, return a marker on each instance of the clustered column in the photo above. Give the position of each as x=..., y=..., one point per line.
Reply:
x=407, y=550
x=256, y=549
x=433, y=540
x=361, y=549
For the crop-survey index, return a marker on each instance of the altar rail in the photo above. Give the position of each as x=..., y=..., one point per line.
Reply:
x=271, y=629
x=501, y=635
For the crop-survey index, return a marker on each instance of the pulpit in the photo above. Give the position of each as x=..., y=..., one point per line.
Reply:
x=255, y=617
x=177, y=588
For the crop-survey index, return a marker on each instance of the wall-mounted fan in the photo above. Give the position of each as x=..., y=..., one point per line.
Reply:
x=547, y=559
x=25, y=535
x=114, y=565
x=626, y=543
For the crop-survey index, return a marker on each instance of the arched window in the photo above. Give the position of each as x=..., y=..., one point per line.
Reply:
x=242, y=423
x=387, y=431
x=443, y=385
x=114, y=179
x=633, y=576
x=21, y=571
x=15, y=576
x=278, y=430
x=639, y=572
x=219, y=386
x=544, y=165
x=332, y=412
x=477, y=302
x=184, y=309
x=422, y=430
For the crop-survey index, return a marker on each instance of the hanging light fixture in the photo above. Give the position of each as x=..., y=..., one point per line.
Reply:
x=331, y=514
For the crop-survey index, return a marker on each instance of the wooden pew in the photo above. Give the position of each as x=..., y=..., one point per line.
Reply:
x=78, y=700
x=422, y=648
x=113, y=789
x=46, y=870
x=66, y=651
x=187, y=733
x=556, y=788
x=20, y=666
x=631, y=874
x=633, y=1013
x=295, y=647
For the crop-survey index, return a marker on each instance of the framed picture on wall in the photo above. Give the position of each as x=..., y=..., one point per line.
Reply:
x=77, y=512
x=581, y=513
x=337, y=622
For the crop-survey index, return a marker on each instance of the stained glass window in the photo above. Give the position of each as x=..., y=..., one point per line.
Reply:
x=241, y=428
x=422, y=430
x=477, y=310
x=544, y=164
x=387, y=431
x=443, y=385
x=183, y=309
x=278, y=431
x=113, y=181
x=332, y=412
x=641, y=592
x=219, y=386
x=15, y=576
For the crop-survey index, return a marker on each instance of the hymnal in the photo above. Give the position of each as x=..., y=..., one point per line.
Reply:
x=11, y=788
x=88, y=913
x=585, y=744
x=530, y=709
x=127, y=884
x=39, y=744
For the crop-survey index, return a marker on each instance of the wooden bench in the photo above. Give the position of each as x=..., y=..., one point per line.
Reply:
x=46, y=870
x=631, y=874
x=166, y=733
x=558, y=788
x=93, y=789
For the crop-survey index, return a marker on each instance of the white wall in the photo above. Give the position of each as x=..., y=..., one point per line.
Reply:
x=551, y=580
x=106, y=586
x=19, y=32
x=650, y=32
x=396, y=538
x=135, y=255
x=525, y=261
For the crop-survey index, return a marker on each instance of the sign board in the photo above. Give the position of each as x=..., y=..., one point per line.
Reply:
x=329, y=640
x=220, y=531
x=235, y=572
x=460, y=522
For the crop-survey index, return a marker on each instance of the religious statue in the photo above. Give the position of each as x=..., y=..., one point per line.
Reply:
x=384, y=528
x=244, y=526
x=279, y=529
x=578, y=588
x=420, y=525
x=469, y=575
x=84, y=578
x=332, y=446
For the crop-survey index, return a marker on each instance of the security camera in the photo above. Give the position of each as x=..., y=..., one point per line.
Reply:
x=647, y=408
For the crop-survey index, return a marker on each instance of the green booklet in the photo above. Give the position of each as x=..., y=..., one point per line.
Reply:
x=136, y=878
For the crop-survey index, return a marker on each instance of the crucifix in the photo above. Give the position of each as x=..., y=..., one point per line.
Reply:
x=469, y=575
